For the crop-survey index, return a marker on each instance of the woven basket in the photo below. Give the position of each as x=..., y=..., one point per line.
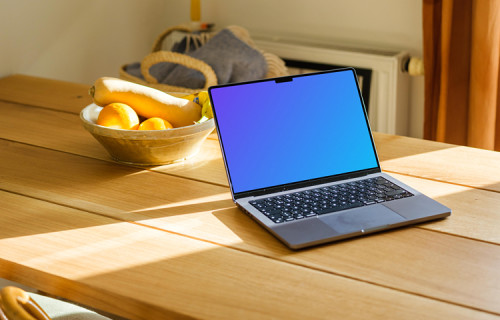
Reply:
x=275, y=66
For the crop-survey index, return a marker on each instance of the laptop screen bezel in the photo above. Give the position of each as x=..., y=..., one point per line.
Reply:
x=304, y=183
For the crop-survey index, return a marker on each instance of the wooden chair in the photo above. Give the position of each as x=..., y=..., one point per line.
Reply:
x=17, y=304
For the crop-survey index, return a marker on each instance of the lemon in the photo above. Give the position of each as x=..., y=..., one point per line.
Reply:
x=155, y=123
x=118, y=116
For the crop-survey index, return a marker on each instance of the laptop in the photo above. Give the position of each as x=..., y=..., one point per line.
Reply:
x=300, y=160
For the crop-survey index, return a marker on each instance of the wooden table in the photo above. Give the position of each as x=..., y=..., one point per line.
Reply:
x=167, y=242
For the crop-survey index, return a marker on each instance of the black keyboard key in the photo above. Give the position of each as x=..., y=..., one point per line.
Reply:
x=395, y=192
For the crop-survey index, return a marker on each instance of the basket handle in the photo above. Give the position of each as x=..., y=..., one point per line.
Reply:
x=157, y=45
x=178, y=58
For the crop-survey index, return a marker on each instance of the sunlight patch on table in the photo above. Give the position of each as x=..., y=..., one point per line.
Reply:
x=190, y=202
x=462, y=165
x=201, y=225
x=471, y=214
x=203, y=222
x=95, y=250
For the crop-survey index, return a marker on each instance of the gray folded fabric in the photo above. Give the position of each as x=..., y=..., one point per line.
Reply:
x=232, y=60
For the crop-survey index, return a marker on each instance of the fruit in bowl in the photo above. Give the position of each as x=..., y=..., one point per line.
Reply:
x=119, y=116
x=145, y=126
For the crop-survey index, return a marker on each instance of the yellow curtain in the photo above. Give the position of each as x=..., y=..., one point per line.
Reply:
x=462, y=72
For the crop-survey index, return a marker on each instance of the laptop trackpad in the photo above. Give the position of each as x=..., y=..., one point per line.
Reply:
x=362, y=218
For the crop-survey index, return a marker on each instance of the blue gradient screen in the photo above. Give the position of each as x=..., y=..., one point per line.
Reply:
x=274, y=133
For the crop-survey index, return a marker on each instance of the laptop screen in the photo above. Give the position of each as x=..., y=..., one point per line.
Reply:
x=291, y=129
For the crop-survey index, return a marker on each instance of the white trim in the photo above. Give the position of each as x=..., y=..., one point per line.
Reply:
x=389, y=92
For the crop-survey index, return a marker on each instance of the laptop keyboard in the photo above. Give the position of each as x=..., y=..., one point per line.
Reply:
x=312, y=202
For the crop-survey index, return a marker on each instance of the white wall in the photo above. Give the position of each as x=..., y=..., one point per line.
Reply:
x=80, y=40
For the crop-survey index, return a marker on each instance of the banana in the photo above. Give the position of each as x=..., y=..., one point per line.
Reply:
x=202, y=98
x=146, y=101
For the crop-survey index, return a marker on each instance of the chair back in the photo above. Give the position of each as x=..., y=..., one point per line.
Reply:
x=16, y=304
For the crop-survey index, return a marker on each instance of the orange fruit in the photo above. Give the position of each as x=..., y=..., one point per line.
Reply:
x=155, y=124
x=118, y=116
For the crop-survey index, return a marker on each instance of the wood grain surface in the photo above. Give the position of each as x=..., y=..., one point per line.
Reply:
x=168, y=242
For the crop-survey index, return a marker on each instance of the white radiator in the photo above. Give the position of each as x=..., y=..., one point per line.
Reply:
x=387, y=97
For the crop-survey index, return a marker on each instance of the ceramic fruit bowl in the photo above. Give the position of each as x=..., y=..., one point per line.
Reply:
x=147, y=147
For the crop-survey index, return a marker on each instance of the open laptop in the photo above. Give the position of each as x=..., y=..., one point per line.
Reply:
x=300, y=160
